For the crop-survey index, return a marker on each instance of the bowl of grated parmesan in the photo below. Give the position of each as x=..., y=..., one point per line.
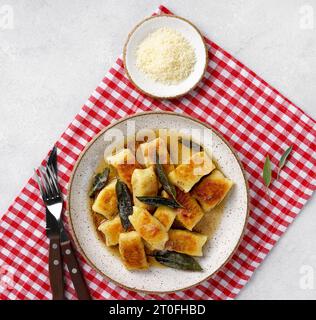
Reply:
x=165, y=56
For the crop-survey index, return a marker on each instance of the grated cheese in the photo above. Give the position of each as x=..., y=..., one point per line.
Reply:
x=165, y=56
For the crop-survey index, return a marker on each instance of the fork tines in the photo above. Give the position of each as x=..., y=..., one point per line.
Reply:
x=46, y=180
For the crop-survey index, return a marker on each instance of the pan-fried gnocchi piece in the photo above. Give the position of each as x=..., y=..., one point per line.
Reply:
x=211, y=190
x=125, y=163
x=149, y=228
x=187, y=242
x=185, y=176
x=149, y=151
x=191, y=213
x=111, y=229
x=132, y=251
x=106, y=201
x=164, y=214
x=144, y=183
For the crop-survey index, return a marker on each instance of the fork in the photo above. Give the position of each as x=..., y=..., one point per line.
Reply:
x=53, y=203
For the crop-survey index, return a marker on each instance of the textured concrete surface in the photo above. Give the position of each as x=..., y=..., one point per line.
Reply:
x=58, y=51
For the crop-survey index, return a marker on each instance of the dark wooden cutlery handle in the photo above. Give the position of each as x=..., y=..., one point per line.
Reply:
x=75, y=271
x=56, y=269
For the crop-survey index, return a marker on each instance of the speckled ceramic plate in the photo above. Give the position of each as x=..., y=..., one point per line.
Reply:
x=143, y=82
x=226, y=224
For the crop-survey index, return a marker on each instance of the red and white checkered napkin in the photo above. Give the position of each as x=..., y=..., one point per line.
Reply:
x=255, y=118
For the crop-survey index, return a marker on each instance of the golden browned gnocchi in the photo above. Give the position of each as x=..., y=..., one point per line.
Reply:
x=184, y=241
x=132, y=251
x=150, y=151
x=185, y=176
x=144, y=183
x=212, y=190
x=111, y=230
x=125, y=163
x=147, y=210
x=106, y=202
x=149, y=228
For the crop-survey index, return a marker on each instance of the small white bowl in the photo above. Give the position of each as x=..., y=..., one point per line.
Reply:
x=141, y=80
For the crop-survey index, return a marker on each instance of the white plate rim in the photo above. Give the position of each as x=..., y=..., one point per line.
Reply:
x=125, y=51
x=69, y=189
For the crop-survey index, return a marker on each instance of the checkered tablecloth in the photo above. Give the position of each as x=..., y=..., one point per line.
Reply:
x=254, y=117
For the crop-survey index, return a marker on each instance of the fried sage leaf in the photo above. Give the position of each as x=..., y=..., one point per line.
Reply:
x=177, y=260
x=283, y=159
x=159, y=201
x=167, y=186
x=124, y=202
x=99, y=182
